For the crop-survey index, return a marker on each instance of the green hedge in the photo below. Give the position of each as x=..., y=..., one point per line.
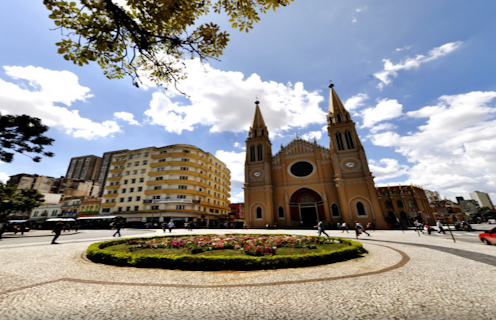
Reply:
x=97, y=253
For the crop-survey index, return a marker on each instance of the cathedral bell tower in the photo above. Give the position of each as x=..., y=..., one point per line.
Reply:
x=258, y=180
x=352, y=177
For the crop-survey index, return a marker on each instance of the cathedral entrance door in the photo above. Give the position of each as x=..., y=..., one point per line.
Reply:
x=308, y=215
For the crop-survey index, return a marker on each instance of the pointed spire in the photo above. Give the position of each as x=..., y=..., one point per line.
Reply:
x=335, y=104
x=258, y=127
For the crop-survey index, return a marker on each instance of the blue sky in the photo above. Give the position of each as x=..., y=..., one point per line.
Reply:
x=418, y=78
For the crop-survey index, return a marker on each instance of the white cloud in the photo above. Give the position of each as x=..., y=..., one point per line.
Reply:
x=4, y=177
x=239, y=197
x=384, y=110
x=455, y=150
x=391, y=70
x=361, y=9
x=224, y=101
x=354, y=20
x=382, y=126
x=236, y=163
x=239, y=145
x=356, y=102
x=312, y=135
x=37, y=90
x=390, y=169
x=404, y=48
x=126, y=116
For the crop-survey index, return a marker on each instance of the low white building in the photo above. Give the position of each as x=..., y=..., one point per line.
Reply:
x=41, y=213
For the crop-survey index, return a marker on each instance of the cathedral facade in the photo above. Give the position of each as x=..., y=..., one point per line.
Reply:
x=305, y=182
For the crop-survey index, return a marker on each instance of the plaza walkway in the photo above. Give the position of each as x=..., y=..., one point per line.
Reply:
x=403, y=276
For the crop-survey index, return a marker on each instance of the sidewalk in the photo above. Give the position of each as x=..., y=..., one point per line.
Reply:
x=35, y=233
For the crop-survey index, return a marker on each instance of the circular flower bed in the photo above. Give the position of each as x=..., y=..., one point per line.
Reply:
x=224, y=252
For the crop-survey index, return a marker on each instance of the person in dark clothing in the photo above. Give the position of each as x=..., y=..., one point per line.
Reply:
x=118, y=227
x=320, y=228
x=57, y=229
x=3, y=229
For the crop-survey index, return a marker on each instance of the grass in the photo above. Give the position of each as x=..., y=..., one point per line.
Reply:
x=320, y=248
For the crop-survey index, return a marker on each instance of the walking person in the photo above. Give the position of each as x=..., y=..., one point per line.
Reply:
x=320, y=228
x=418, y=226
x=439, y=224
x=359, y=229
x=164, y=226
x=170, y=225
x=344, y=227
x=57, y=229
x=118, y=226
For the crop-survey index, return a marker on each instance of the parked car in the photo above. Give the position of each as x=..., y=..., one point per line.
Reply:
x=15, y=225
x=463, y=225
x=491, y=221
x=488, y=237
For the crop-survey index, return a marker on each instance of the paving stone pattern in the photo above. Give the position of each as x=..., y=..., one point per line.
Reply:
x=402, y=277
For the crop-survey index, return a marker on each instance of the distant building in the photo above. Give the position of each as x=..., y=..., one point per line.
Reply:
x=406, y=204
x=482, y=198
x=237, y=211
x=85, y=168
x=179, y=182
x=468, y=206
x=432, y=195
x=31, y=181
x=76, y=187
x=44, y=212
x=104, y=168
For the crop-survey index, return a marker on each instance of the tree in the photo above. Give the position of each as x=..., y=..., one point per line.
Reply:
x=22, y=134
x=148, y=36
x=487, y=213
x=14, y=200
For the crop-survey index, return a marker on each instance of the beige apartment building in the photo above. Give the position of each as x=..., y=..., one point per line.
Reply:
x=178, y=182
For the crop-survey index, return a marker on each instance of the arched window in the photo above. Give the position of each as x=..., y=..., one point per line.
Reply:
x=349, y=141
x=399, y=203
x=252, y=153
x=411, y=203
x=360, y=209
x=254, y=133
x=339, y=140
x=259, y=213
x=339, y=117
x=388, y=204
x=335, y=210
x=263, y=132
x=259, y=152
x=281, y=212
x=347, y=118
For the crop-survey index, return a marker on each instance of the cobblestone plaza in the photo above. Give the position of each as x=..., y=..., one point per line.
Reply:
x=404, y=276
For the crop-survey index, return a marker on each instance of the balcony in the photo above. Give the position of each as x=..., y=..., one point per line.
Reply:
x=116, y=170
x=110, y=195
x=170, y=200
x=114, y=186
x=118, y=163
x=114, y=178
x=107, y=205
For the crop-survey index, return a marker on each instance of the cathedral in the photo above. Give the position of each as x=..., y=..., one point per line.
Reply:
x=305, y=182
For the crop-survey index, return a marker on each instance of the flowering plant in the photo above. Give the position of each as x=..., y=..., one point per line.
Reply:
x=254, y=245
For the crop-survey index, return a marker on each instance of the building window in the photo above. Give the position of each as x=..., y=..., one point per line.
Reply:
x=128, y=208
x=106, y=210
x=162, y=160
x=143, y=171
x=388, y=204
x=130, y=157
x=54, y=213
x=129, y=164
x=183, y=178
x=138, y=155
x=126, y=173
x=124, y=190
x=181, y=196
x=131, y=189
x=184, y=168
x=157, y=187
x=125, y=181
x=133, y=180
x=411, y=203
x=252, y=153
x=35, y=214
x=339, y=141
x=258, y=213
x=183, y=187
x=259, y=152
x=335, y=210
x=129, y=199
x=136, y=163
x=141, y=179
x=180, y=207
x=349, y=140
x=156, y=197
x=140, y=189
x=159, y=178
x=112, y=200
x=186, y=151
x=399, y=203
x=281, y=213
x=121, y=199
x=145, y=162
x=146, y=154
x=138, y=198
x=119, y=209
x=135, y=171
x=184, y=159
x=360, y=209
x=154, y=207
x=136, y=208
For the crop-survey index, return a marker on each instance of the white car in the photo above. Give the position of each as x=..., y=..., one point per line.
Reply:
x=491, y=221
